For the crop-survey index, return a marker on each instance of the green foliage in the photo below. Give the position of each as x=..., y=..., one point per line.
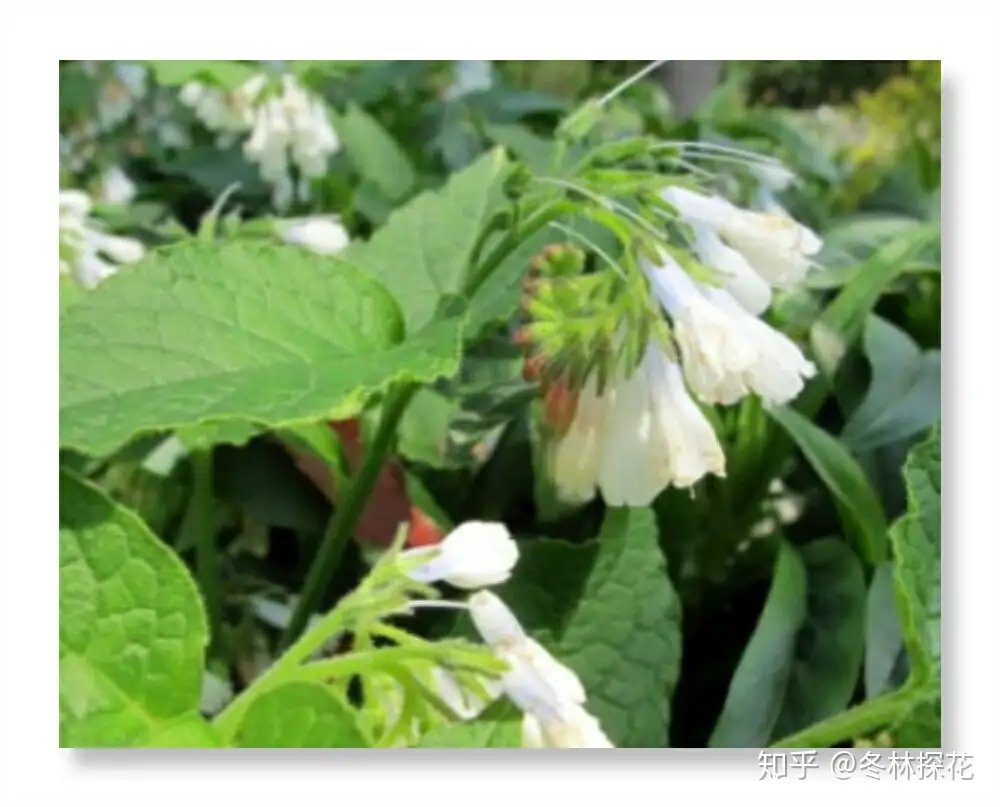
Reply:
x=240, y=350
x=131, y=630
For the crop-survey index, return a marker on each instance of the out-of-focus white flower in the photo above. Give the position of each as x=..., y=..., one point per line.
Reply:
x=549, y=693
x=116, y=187
x=726, y=352
x=119, y=93
x=473, y=555
x=82, y=243
x=470, y=77
x=322, y=234
x=287, y=129
x=777, y=247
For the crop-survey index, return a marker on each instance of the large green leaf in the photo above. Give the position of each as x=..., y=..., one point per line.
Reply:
x=422, y=253
x=830, y=644
x=856, y=499
x=607, y=610
x=132, y=630
x=904, y=397
x=757, y=690
x=300, y=715
x=916, y=546
x=266, y=334
x=376, y=156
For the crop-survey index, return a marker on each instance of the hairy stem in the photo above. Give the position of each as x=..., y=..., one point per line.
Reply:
x=860, y=721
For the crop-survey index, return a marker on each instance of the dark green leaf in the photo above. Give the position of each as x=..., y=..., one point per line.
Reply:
x=856, y=499
x=904, y=397
x=884, y=636
x=374, y=153
x=757, y=690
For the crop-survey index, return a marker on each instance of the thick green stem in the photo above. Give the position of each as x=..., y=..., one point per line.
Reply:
x=862, y=720
x=341, y=526
x=201, y=522
x=511, y=241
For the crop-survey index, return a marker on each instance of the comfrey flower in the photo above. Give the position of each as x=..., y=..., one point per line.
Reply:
x=324, y=235
x=289, y=129
x=549, y=693
x=726, y=352
x=777, y=247
x=470, y=77
x=116, y=187
x=473, y=555
x=641, y=435
x=84, y=250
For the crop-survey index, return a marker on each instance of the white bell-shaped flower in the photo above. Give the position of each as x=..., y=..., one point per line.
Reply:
x=465, y=704
x=549, y=693
x=727, y=352
x=739, y=278
x=776, y=246
x=473, y=555
x=715, y=351
x=321, y=234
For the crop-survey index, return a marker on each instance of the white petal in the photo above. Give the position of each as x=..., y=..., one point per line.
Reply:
x=474, y=555
x=91, y=270
x=781, y=369
x=321, y=234
x=576, y=456
x=575, y=728
x=715, y=352
x=119, y=249
x=687, y=437
x=495, y=622
x=633, y=472
x=741, y=280
x=566, y=682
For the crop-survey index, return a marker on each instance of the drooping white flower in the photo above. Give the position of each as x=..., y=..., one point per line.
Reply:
x=739, y=277
x=776, y=246
x=473, y=555
x=549, y=693
x=82, y=243
x=322, y=234
x=116, y=187
x=657, y=435
x=727, y=352
x=470, y=77
x=716, y=353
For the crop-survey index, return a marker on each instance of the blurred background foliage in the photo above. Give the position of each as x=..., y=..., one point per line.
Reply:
x=864, y=141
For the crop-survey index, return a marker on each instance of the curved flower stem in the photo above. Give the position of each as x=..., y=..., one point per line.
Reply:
x=863, y=719
x=345, y=519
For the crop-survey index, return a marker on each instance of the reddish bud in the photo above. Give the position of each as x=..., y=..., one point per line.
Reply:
x=533, y=367
x=560, y=406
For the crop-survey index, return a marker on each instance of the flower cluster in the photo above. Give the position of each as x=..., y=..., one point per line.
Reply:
x=289, y=128
x=84, y=248
x=480, y=554
x=642, y=429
